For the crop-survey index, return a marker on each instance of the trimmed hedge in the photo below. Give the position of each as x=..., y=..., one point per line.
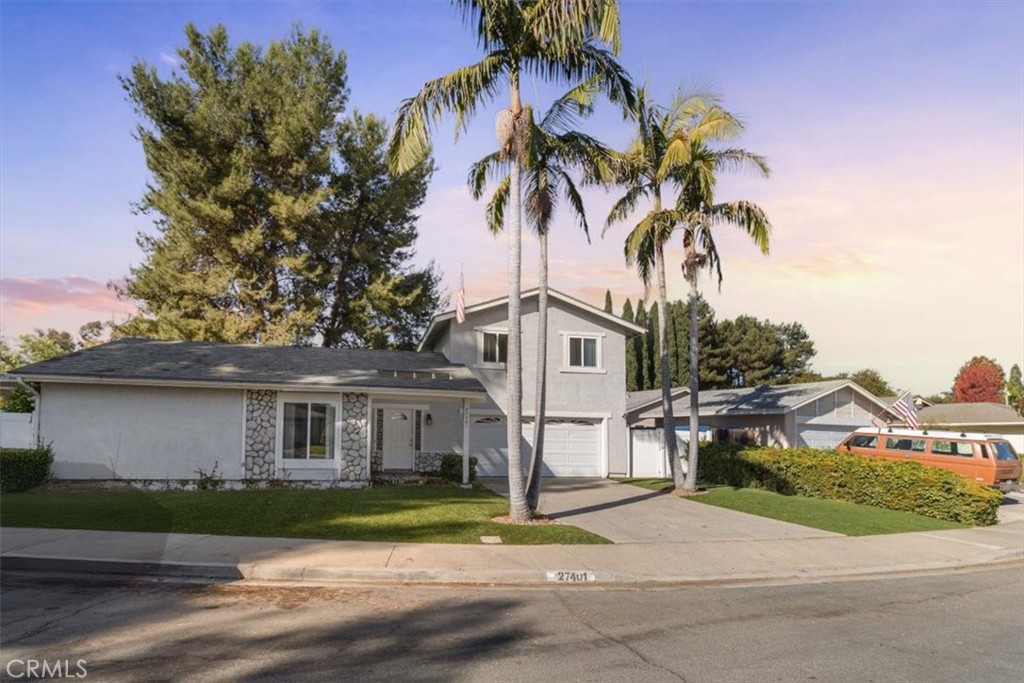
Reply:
x=22, y=469
x=451, y=468
x=832, y=475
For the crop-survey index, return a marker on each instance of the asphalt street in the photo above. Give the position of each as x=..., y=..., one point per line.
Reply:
x=950, y=627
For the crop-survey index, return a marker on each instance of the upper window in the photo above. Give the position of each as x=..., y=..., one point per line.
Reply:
x=584, y=353
x=308, y=431
x=495, y=347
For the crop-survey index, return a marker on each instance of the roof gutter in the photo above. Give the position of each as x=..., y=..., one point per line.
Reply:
x=186, y=384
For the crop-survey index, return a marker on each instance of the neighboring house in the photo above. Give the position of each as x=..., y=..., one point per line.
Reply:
x=991, y=418
x=585, y=432
x=163, y=411
x=815, y=414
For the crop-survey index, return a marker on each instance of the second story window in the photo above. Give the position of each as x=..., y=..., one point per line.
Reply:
x=583, y=353
x=495, y=347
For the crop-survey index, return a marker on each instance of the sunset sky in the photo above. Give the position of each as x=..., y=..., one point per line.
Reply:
x=895, y=133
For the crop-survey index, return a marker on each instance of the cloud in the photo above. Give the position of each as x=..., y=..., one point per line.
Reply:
x=170, y=59
x=45, y=302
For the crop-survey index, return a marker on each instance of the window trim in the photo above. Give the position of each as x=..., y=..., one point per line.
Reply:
x=584, y=370
x=331, y=463
x=480, y=332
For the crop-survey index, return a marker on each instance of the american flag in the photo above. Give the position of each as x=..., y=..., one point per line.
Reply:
x=905, y=409
x=460, y=302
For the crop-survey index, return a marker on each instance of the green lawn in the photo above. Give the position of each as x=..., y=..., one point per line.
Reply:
x=414, y=514
x=842, y=518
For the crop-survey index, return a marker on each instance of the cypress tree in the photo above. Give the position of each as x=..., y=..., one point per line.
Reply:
x=631, y=350
x=608, y=301
x=641, y=344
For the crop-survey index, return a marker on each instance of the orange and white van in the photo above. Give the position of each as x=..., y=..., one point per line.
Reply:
x=986, y=458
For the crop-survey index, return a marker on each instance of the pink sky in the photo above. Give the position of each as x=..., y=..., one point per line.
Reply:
x=895, y=132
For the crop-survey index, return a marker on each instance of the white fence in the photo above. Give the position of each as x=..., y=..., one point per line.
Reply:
x=647, y=450
x=17, y=430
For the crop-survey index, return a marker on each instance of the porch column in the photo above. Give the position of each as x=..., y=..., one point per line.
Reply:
x=465, y=442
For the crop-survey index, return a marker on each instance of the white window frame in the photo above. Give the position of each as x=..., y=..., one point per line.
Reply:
x=598, y=337
x=332, y=463
x=480, y=332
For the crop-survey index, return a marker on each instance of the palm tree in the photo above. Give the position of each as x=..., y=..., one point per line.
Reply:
x=698, y=214
x=658, y=156
x=553, y=40
x=553, y=149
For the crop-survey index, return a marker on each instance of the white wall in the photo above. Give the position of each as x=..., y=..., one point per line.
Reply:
x=17, y=430
x=107, y=432
x=599, y=395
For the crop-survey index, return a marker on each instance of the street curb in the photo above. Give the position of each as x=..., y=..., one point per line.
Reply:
x=258, y=572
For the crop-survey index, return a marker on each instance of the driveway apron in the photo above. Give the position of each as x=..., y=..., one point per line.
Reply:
x=623, y=513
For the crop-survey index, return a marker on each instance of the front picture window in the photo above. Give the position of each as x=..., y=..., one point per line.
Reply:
x=582, y=352
x=308, y=431
x=495, y=347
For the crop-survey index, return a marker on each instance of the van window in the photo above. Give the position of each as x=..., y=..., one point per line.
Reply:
x=863, y=441
x=961, y=448
x=916, y=445
x=1004, y=451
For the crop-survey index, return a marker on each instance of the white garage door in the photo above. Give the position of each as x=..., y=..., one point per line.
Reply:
x=572, y=447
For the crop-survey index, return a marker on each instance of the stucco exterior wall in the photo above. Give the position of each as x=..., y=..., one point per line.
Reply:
x=597, y=395
x=764, y=430
x=124, y=432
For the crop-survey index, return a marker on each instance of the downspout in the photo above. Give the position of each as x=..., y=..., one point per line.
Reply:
x=37, y=413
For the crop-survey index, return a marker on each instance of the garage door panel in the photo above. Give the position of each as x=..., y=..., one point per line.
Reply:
x=572, y=448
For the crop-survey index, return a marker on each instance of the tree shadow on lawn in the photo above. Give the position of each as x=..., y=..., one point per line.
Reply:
x=394, y=514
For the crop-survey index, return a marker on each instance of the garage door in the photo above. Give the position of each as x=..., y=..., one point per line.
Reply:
x=572, y=448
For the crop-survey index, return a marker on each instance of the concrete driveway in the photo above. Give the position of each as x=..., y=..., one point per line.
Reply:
x=628, y=514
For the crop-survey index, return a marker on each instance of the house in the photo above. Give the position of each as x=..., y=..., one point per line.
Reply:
x=991, y=418
x=815, y=414
x=585, y=429
x=166, y=411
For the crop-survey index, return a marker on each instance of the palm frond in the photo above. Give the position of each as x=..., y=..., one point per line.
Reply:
x=572, y=194
x=565, y=113
x=490, y=167
x=747, y=216
x=623, y=207
x=458, y=93
x=495, y=211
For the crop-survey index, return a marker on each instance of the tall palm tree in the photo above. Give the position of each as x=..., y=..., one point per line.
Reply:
x=565, y=42
x=553, y=150
x=657, y=159
x=698, y=214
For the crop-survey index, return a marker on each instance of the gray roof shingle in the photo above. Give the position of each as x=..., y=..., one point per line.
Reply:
x=216, y=363
x=764, y=400
x=968, y=414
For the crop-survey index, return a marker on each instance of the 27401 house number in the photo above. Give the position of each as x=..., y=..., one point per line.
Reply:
x=572, y=576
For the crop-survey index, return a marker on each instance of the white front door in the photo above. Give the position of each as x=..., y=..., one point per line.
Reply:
x=398, y=436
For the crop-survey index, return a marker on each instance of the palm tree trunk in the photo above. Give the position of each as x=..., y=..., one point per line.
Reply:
x=668, y=420
x=540, y=397
x=518, y=510
x=691, y=472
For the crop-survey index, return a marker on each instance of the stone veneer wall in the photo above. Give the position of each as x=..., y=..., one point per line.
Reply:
x=428, y=462
x=260, y=433
x=354, y=433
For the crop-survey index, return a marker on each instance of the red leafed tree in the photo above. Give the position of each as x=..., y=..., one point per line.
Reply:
x=980, y=380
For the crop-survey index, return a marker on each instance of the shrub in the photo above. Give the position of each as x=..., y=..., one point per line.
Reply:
x=22, y=469
x=832, y=475
x=451, y=468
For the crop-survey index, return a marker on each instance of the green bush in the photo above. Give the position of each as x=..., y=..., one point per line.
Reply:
x=832, y=475
x=451, y=468
x=22, y=469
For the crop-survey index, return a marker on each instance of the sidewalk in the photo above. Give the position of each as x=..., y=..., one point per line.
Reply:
x=746, y=561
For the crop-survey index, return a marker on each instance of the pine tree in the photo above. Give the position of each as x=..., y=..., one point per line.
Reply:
x=631, y=350
x=642, y=345
x=608, y=308
x=274, y=222
x=654, y=365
